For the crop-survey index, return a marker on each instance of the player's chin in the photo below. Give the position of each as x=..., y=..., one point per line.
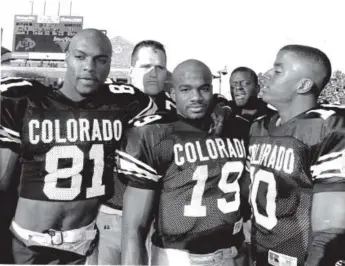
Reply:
x=265, y=97
x=196, y=115
x=87, y=90
x=152, y=90
x=241, y=103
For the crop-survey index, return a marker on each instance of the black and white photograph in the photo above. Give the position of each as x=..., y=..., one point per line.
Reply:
x=172, y=133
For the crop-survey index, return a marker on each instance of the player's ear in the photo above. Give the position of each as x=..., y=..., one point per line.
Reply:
x=172, y=94
x=305, y=86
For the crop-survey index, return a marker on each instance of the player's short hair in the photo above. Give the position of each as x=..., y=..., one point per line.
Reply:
x=316, y=56
x=247, y=70
x=146, y=43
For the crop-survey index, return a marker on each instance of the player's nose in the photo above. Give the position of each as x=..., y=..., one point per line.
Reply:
x=153, y=72
x=89, y=65
x=196, y=95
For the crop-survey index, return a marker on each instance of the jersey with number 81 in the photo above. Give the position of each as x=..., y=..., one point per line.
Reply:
x=67, y=149
x=287, y=163
x=197, y=177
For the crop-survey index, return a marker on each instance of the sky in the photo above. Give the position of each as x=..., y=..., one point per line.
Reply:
x=220, y=33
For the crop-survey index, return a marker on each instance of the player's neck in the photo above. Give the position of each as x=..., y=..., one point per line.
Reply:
x=249, y=111
x=153, y=97
x=71, y=93
x=296, y=108
x=202, y=123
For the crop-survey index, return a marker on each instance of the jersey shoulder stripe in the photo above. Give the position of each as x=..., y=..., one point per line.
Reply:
x=329, y=165
x=9, y=135
x=128, y=165
x=17, y=87
x=149, y=110
x=334, y=106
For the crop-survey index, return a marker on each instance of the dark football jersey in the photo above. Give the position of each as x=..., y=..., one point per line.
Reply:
x=196, y=176
x=287, y=163
x=67, y=148
x=164, y=104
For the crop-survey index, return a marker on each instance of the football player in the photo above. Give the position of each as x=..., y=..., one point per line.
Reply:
x=244, y=89
x=65, y=140
x=148, y=73
x=297, y=166
x=186, y=178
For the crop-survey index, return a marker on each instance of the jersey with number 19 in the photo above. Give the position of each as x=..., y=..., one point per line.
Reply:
x=66, y=148
x=288, y=163
x=196, y=176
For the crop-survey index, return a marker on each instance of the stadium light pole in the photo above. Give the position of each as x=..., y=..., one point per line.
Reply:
x=70, y=8
x=220, y=73
x=44, y=8
x=32, y=7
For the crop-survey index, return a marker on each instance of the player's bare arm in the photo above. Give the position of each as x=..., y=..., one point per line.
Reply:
x=328, y=225
x=137, y=217
x=328, y=202
x=8, y=161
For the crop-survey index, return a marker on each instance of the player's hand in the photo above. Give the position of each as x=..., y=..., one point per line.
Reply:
x=220, y=114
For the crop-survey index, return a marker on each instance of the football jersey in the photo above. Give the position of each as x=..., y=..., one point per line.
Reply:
x=196, y=176
x=66, y=148
x=287, y=163
x=164, y=104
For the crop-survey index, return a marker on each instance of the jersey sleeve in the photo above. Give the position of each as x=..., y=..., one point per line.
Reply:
x=17, y=87
x=137, y=103
x=14, y=92
x=10, y=117
x=136, y=160
x=328, y=173
x=328, y=164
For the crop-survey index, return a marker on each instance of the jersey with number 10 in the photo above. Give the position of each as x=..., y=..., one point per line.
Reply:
x=67, y=148
x=288, y=163
x=196, y=176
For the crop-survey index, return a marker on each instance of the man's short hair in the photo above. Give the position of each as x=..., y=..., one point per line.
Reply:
x=146, y=43
x=247, y=70
x=316, y=56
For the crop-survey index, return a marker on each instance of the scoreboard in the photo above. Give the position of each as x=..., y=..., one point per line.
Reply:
x=44, y=34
